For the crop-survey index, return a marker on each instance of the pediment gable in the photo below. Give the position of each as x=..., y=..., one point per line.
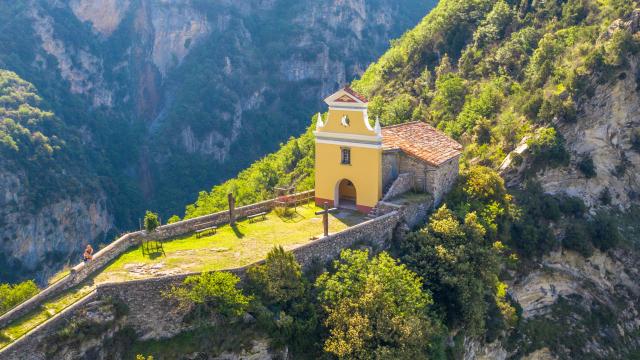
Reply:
x=346, y=97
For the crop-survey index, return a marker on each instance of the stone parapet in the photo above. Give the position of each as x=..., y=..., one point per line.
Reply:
x=101, y=258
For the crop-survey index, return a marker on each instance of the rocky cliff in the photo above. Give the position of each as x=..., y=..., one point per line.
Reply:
x=171, y=97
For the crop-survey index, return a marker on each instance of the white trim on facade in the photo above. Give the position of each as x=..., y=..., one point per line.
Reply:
x=348, y=143
x=343, y=136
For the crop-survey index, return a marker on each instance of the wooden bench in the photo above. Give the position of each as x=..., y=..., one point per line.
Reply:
x=207, y=230
x=253, y=218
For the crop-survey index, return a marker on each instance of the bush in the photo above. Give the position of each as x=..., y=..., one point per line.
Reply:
x=173, y=219
x=208, y=293
x=279, y=280
x=604, y=232
x=547, y=149
x=635, y=139
x=572, y=206
x=12, y=295
x=376, y=309
x=605, y=196
x=577, y=238
x=151, y=221
x=587, y=167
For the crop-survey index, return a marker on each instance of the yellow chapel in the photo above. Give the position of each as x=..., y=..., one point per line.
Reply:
x=357, y=164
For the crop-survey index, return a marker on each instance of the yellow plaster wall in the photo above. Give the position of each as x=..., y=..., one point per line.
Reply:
x=356, y=123
x=365, y=172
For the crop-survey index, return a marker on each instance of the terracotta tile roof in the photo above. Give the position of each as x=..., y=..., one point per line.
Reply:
x=352, y=92
x=421, y=141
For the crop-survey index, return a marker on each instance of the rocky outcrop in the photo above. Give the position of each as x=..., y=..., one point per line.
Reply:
x=104, y=15
x=602, y=278
x=41, y=239
x=83, y=70
x=603, y=132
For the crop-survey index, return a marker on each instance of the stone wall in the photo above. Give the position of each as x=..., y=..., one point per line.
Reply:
x=81, y=271
x=419, y=169
x=413, y=214
x=441, y=180
x=153, y=316
x=390, y=166
x=30, y=346
x=402, y=184
x=437, y=181
x=76, y=275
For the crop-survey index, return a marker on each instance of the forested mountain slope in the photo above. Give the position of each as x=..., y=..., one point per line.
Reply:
x=159, y=99
x=546, y=94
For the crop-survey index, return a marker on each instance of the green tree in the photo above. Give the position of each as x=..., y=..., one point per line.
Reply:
x=287, y=310
x=375, y=309
x=449, y=97
x=173, y=219
x=461, y=268
x=279, y=279
x=12, y=295
x=151, y=221
x=215, y=292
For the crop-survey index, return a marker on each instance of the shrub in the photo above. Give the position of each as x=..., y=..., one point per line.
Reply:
x=605, y=196
x=604, y=232
x=151, y=221
x=12, y=295
x=635, y=139
x=376, y=309
x=279, y=279
x=577, y=238
x=573, y=206
x=215, y=292
x=587, y=167
x=547, y=149
x=173, y=219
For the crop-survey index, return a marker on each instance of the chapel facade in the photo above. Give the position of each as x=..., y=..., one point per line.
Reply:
x=357, y=164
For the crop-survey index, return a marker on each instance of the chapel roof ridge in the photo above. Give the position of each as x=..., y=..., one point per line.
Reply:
x=422, y=141
x=352, y=92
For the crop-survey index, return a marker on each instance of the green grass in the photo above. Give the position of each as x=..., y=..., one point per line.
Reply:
x=410, y=197
x=230, y=247
x=43, y=313
x=59, y=275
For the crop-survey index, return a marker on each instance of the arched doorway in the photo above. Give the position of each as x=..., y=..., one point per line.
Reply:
x=345, y=195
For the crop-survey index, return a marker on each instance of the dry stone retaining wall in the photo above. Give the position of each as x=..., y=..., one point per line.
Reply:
x=25, y=347
x=402, y=184
x=153, y=316
x=81, y=271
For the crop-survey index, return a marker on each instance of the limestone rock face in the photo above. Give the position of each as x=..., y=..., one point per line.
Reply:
x=603, y=131
x=256, y=69
x=104, y=15
x=57, y=232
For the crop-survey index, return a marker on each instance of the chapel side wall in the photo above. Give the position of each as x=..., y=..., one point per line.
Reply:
x=408, y=164
x=442, y=179
x=390, y=167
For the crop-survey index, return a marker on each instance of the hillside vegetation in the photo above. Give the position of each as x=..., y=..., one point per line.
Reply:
x=494, y=75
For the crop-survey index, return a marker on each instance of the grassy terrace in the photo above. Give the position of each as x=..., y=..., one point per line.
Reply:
x=243, y=244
